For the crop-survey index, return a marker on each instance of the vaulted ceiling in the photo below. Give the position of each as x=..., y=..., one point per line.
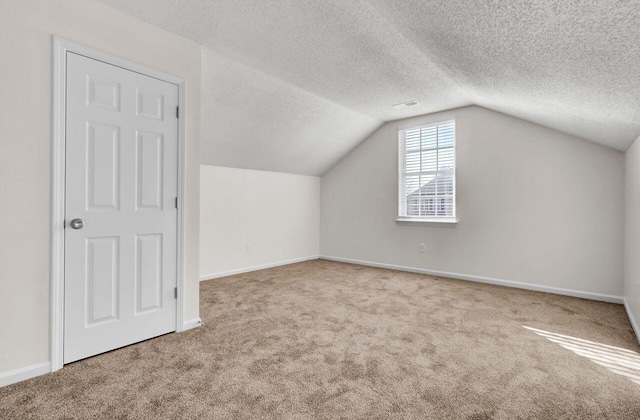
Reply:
x=293, y=85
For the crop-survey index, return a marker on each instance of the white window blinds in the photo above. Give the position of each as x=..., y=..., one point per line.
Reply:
x=427, y=163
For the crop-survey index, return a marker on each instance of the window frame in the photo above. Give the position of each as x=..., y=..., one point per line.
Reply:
x=402, y=176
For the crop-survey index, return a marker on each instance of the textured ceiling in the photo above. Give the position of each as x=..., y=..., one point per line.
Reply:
x=572, y=65
x=292, y=85
x=251, y=120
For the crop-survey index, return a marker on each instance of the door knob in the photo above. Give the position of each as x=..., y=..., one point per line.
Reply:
x=77, y=224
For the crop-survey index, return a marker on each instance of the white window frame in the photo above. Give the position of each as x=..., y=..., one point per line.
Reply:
x=402, y=156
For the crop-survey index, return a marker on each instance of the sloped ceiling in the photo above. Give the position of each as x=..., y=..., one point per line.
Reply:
x=292, y=85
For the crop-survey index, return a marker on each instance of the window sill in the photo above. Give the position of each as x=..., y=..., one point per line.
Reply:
x=440, y=222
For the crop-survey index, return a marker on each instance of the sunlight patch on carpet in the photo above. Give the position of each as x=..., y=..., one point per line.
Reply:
x=618, y=360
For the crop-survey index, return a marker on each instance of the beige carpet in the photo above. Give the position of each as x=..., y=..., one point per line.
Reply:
x=329, y=340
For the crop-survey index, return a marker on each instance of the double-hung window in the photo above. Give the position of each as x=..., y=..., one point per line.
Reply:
x=427, y=173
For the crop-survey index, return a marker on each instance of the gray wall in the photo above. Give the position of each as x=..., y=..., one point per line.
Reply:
x=534, y=206
x=277, y=213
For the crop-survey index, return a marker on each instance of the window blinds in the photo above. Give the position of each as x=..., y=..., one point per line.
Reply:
x=427, y=163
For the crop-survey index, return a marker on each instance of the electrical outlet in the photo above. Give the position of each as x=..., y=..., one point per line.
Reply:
x=421, y=248
x=249, y=247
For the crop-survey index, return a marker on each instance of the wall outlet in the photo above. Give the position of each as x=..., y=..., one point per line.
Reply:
x=249, y=247
x=421, y=248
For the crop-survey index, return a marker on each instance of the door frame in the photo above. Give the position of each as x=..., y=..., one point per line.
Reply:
x=59, y=65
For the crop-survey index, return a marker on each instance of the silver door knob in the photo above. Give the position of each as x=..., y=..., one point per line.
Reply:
x=77, y=224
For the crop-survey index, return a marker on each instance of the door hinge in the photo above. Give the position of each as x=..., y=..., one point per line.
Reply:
x=175, y=293
x=177, y=112
x=176, y=202
x=64, y=224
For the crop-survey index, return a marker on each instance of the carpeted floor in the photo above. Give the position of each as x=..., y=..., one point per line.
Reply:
x=328, y=340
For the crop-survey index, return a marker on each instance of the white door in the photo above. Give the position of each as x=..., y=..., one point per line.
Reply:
x=120, y=210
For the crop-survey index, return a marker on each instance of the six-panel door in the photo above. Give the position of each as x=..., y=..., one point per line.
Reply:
x=121, y=180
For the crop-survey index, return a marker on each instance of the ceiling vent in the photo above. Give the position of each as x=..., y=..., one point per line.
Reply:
x=405, y=104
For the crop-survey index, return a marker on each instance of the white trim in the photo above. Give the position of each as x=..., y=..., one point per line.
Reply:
x=443, y=222
x=24, y=373
x=182, y=204
x=191, y=323
x=450, y=220
x=487, y=280
x=58, y=105
x=60, y=48
x=256, y=268
x=427, y=120
x=632, y=319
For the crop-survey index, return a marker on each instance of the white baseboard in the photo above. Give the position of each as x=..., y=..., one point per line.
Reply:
x=256, y=268
x=28, y=372
x=24, y=373
x=488, y=280
x=632, y=319
x=191, y=323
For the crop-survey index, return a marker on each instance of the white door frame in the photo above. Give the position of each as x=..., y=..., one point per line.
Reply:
x=60, y=48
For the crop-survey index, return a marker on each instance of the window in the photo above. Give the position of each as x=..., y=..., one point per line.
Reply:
x=427, y=173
